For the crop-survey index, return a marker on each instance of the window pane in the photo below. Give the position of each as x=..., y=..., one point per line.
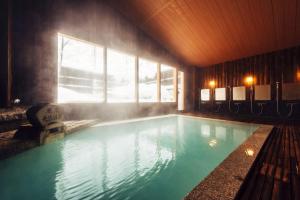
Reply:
x=120, y=77
x=167, y=83
x=80, y=71
x=147, y=81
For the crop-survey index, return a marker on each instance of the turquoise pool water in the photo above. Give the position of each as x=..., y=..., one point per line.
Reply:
x=161, y=158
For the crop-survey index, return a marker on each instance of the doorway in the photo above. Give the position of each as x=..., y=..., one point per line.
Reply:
x=180, y=101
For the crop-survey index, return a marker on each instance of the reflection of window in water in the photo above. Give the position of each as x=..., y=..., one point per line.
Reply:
x=221, y=133
x=120, y=77
x=205, y=130
x=86, y=172
x=168, y=78
x=80, y=71
x=152, y=150
x=147, y=81
x=239, y=135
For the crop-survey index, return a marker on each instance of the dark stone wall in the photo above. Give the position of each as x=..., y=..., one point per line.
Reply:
x=5, y=53
x=35, y=27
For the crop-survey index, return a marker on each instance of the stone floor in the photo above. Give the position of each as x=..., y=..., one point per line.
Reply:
x=15, y=113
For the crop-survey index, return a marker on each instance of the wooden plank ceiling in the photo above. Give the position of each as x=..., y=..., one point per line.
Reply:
x=206, y=32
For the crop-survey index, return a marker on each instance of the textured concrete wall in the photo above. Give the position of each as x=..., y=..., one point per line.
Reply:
x=5, y=53
x=35, y=27
x=36, y=24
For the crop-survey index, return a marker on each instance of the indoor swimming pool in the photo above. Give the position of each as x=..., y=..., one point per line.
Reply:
x=153, y=158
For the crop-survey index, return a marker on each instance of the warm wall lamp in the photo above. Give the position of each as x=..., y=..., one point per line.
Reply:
x=212, y=84
x=298, y=75
x=249, y=80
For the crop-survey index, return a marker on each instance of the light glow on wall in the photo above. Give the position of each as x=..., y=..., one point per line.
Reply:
x=212, y=84
x=249, y=80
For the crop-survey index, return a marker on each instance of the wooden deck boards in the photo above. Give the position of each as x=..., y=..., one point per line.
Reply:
x=275, y=173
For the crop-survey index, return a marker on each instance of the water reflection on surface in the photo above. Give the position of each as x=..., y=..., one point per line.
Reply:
x=154, y=159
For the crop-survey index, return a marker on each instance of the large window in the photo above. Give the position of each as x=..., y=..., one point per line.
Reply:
x=80, y=71
x=168, y=83
x=147, y=81
x=120, y=77
x=85, y=75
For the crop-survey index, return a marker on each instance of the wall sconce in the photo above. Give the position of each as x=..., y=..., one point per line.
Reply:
x=249, y=80
x=212, y=84
x=298, y=75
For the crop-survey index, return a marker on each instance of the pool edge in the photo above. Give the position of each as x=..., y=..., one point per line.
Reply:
x=225, y=180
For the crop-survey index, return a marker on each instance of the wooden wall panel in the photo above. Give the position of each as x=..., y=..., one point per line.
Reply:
x=280, y=66
x=285, y=21
x=298, y=22
x=206, y=32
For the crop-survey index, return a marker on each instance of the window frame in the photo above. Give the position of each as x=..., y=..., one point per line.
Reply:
x=175, y=83
x=136, y=76
x=59, y=65
x=157, y=99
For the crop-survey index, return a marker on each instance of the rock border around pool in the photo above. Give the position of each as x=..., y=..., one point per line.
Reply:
x=225, y=180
